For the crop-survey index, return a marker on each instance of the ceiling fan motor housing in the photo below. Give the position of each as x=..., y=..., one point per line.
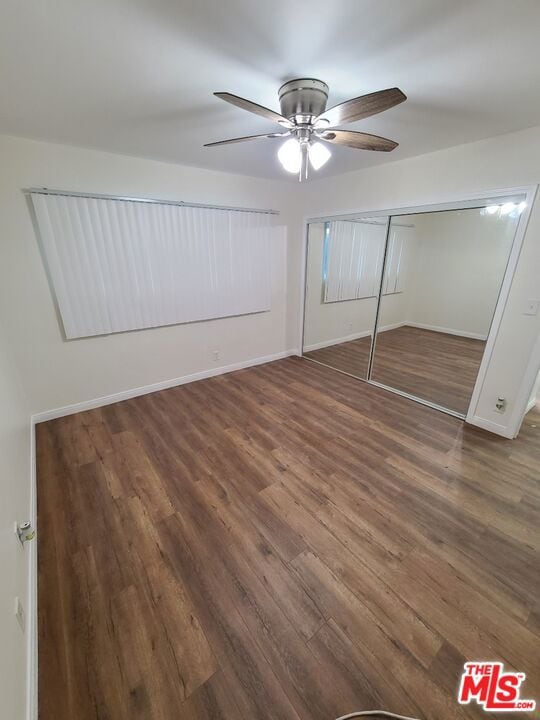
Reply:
x=303, y=100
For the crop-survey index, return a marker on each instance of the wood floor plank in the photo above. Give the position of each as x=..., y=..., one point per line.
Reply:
x=356, y=575
x=312, y=687
x=281, y=543
x=251, y=680
x=356, y=620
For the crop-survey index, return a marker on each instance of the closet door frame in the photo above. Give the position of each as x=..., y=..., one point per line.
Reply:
x=462, y=202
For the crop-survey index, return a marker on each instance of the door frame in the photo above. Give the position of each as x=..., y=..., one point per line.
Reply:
x=459, y=202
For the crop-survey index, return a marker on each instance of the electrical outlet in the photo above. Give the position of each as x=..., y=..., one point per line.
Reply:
x=19, y=613
x=215, y=355
x=500, y=405
x=532, y=306
x=349, y=327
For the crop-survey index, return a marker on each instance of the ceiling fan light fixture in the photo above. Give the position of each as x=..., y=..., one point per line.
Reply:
x=290, y=156
x=319, y=154
x=305, y=117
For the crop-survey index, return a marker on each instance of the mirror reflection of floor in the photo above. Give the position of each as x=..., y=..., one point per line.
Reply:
x=351, y=357
x=434, y=366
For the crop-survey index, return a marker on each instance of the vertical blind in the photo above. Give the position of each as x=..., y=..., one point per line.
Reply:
x=119, y=265
x=396, y=259
x=353, y=258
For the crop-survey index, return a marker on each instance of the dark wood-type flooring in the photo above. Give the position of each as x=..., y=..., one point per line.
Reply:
x=434, y=366
x=281, y=543
x=351, y=357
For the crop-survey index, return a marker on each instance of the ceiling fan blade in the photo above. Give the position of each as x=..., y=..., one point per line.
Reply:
x=362, y=107
x=243, y=139
x=254, y=108
x=358, y=140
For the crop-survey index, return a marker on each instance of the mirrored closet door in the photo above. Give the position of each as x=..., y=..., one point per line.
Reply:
x=406, y=302
x=343, y=277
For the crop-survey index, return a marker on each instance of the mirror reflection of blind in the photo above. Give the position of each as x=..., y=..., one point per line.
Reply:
x=119, y=265
x=353, y=256
x=396, y=260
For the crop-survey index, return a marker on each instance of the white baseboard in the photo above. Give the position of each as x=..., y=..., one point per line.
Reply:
x=447, y=331
x=490, y=426
x=348, y=338
x=154, y=387
x=336, y=341
x=393, y=326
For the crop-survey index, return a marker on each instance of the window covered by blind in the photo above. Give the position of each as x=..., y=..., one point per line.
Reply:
x=121, y=265
x=353, y=259
x=397, y=258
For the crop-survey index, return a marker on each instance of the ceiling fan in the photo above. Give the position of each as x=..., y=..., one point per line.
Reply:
x=306, y=122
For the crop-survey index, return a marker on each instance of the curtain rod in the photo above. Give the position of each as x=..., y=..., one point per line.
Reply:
x=182, y=203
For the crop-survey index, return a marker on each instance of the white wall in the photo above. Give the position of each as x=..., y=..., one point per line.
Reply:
x=505, y=161
x=460, y=259
x=56, y=373
x=14, y=506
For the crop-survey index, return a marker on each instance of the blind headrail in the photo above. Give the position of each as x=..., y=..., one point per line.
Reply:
x=156, y=201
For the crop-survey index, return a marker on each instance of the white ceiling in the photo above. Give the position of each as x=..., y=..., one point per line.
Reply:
x=137, y=76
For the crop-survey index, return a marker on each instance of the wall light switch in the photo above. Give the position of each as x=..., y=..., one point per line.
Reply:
x=532, y=307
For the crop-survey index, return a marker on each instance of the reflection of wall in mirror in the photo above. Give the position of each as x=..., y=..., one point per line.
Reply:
x=457, y=262
x=329, y=323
